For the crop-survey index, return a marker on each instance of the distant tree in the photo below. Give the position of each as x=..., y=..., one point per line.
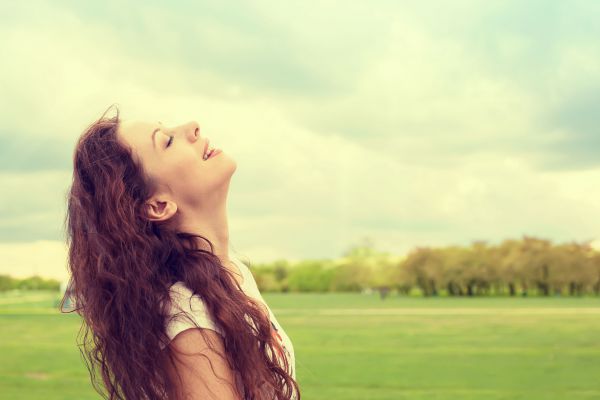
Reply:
x=7, y=283
x=574, y=267
x=538, y=262
x=280, y=270
x=425, y=265
x=350, y=277
x=310, y=276
x=455, y=259
x=362, y=266
x=383, y=275
x=482, y=272
x=509, y=265
x=594, y=264
x=32, y=283
x=400, y=277
x=265, y=279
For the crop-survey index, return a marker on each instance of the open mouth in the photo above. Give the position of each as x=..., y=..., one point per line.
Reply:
x=212, y=153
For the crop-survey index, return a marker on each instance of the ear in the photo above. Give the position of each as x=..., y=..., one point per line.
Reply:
x=160, y=209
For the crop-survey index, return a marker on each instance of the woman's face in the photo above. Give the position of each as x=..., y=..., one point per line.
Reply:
x=173, y=157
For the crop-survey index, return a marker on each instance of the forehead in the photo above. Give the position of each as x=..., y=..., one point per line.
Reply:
x=137, y=133
x=138, y=136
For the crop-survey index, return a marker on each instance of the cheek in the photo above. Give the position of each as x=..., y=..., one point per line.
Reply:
x=188, y=173
x=184, y=160
x=187, y=168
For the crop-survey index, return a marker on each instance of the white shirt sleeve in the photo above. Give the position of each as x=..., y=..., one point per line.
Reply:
x=187, y=310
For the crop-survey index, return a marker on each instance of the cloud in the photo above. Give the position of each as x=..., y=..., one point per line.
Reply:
x=21, y=153
x=577, y=129
x=33, y=205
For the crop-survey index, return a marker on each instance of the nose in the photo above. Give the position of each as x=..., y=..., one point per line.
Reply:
x=193, y=130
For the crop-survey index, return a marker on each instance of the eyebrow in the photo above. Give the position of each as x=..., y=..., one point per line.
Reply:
x=154, y=135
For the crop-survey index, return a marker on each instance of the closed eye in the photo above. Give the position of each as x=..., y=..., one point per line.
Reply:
x=171, y=137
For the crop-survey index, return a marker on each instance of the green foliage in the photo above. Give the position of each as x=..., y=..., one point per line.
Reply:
x=530, y=266
x=524, y=267
x=310, y=276
x=7, y=283
x=31, y=283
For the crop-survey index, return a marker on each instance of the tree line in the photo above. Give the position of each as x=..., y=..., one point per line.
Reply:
x=8, y=282
x=528, y=266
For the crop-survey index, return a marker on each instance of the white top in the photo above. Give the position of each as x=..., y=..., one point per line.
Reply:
x=192, y=306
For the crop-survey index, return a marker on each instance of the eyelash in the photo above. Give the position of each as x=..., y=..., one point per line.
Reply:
x=170, y=140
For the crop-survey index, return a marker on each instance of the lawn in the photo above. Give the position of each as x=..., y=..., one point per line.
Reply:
x=354, y=346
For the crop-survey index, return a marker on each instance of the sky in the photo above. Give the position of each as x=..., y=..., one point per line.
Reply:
x=409, y=123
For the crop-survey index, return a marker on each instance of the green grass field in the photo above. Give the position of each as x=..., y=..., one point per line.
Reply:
x=353, y=346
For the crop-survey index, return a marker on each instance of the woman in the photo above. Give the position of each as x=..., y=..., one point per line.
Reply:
x=168, y=312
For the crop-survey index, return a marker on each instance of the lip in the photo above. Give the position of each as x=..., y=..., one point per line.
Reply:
x=215, y=153
x=205, y=147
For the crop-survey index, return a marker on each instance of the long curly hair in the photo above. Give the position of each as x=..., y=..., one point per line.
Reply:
x=122, y=266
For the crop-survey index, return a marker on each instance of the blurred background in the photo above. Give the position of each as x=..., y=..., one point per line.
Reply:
x=415, y=191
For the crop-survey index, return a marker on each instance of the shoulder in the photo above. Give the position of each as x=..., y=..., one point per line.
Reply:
x=249, y=285
x=179, y=291
x=200, y=366
x=187, y=310
x=241, y=264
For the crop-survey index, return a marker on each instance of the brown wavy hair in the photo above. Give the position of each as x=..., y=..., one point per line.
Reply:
x=122, y=265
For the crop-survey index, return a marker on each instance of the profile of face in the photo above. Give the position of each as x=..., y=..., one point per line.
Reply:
x=173, y=157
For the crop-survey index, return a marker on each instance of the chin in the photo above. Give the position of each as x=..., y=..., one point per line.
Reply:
x=227, y=164
x=230, y=161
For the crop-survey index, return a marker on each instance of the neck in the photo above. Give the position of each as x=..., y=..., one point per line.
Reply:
x=213, y=225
